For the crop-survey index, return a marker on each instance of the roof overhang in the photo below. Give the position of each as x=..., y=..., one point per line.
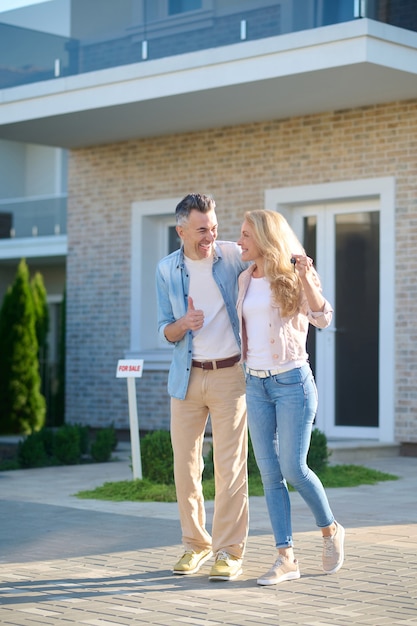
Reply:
x=343, y=66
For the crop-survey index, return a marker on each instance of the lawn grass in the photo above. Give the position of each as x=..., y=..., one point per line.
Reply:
x=131, y=491
x=146, y=491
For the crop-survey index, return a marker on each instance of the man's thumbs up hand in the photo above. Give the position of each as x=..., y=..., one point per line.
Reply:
x=194, y=317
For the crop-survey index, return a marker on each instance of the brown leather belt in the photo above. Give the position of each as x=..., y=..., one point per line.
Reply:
x=216, y=365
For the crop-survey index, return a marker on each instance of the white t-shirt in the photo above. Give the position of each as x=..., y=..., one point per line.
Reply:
x=216, y=339
x=256, y=311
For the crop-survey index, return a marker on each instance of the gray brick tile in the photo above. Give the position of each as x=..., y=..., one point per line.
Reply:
x=59, y=569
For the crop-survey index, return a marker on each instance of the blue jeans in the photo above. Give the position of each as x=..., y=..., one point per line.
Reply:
x=281, y=411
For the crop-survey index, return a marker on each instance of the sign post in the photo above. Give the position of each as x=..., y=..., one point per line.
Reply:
x=132, y=369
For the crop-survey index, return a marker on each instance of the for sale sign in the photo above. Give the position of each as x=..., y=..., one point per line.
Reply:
x=131, y=368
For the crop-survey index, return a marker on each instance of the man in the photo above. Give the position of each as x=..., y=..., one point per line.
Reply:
x=196, y=291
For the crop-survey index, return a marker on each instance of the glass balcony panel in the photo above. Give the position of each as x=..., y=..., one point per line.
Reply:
x=28, y=56
x=164, y=29
x=33, y=217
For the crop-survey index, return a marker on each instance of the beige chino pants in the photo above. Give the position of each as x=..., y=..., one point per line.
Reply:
x=220, y=393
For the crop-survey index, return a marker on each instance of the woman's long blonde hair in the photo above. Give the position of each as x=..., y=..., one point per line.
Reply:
x=277, y=243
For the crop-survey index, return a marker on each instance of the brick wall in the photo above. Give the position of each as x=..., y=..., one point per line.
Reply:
x=401, y=13
x=236, y=165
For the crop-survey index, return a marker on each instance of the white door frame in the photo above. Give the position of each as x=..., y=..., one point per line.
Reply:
x=285, y=200
x=326, y=340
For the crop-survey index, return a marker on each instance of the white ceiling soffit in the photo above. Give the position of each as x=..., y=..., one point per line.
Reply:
x=336, y=67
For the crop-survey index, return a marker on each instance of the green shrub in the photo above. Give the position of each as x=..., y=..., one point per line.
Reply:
x=105, y=442
x=157, y=457
x=209, y=463
x=253, y=469
x=318, y=454
x=317, y=459
x=65, y=446
x=9, y=464
x=84, y=432
x=208, y=471
x=47, y=435
x=67, y=449
x=31, y=451
x=114, y=435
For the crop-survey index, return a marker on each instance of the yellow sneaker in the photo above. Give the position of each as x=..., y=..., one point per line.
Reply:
x=191, y=561
x=226, y=567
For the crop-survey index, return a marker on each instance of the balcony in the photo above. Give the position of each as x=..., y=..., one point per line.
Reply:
x=28, y=56
x=270, y=61
x=33, y=227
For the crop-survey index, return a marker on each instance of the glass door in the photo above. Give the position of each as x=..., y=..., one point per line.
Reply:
x=357, y=318
x=344, y=241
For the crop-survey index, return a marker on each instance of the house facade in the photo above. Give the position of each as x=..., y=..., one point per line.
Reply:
x=304, y=107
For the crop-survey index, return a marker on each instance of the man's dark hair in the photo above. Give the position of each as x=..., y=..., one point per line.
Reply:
x=193, y=201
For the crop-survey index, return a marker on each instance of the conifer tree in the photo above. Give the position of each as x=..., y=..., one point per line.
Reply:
x=41, y=312
x=22, y=406
x=60, y=394
x=41, y=327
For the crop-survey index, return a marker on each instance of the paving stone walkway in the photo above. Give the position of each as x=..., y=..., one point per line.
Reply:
x=87, y=562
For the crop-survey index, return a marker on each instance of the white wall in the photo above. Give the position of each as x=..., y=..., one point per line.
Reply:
x=12, y=169
x=29, y=170
x=112, y=18
x=41, y=171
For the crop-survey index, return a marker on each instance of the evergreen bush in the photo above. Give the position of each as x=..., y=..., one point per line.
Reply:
x=253, y=469
x=66, y=445
x=31, y=451
x=318, y=454
x=317, y=458
x=157, y=457
x=104, y=444
x=22, y=405
x=208, y=471
x=48, y=437
x=67, y=448
x=209, y=463
x=84, y=433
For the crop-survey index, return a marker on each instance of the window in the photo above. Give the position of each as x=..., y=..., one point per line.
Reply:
x=153, y=237
x=175, y=10
x=174, y=242
x=182, y=6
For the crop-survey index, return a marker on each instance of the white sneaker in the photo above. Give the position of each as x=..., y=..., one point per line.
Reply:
x=333, y=551
x=283, y=569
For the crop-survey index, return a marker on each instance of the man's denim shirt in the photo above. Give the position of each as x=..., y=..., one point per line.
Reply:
x=172, y=285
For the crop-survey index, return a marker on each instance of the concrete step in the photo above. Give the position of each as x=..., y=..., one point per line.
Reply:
x=356, y=451
x=346, y=451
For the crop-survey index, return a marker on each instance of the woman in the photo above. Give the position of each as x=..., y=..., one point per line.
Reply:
x=279, y=295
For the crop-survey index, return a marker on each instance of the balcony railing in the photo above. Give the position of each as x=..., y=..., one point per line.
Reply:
x=39, y=217
x=28, y=56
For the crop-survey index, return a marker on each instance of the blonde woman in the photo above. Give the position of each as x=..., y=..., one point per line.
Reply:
x=279, y=296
